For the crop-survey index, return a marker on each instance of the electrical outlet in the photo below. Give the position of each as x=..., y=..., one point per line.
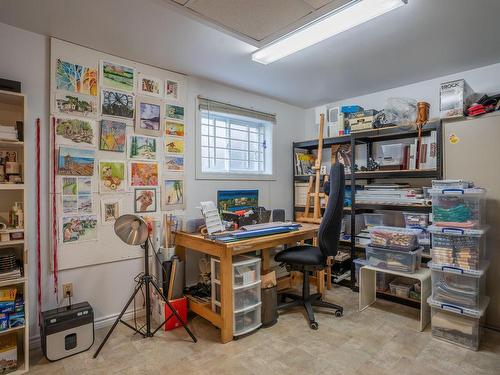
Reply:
x=67, y=290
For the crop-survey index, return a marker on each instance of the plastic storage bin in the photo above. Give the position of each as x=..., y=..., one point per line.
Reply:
x=416, y=220
x=243, y=297
x=246, y=270
x=394, y=238
x=457, y=325
x=457, y=286
x=460, y=248
x=400, y=288
x=451, y=184
x=403, y=261
x=247, y=320
x=373, y=220
x=358, y=263
x=383, y=280
x=463, y=208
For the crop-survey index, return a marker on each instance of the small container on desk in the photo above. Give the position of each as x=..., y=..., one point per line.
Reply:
x=396, y=260
x=394, y=238
x=461, y=208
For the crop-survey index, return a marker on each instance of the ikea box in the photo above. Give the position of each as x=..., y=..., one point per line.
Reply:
x=180, y=305
x=453, y=98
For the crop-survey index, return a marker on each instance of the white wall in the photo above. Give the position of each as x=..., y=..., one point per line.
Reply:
x=25, y=58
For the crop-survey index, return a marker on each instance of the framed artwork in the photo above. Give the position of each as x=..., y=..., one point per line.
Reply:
x=175, y=129
x=174, y=163
x=76, y=78
x=111, y=209
x=143, y=174
x=112, y=136
x=75, y=104
x=171, y=89
x=144, y=200
x=174, y=145
x=111, y=176
x=148, y=85
x=172, y=194
x=76, y=132
x=148, y=116
x=117, y=104
x=78, y=228
x=174, y=112
x=117, y=76
x=141, y=147
x=75, y=161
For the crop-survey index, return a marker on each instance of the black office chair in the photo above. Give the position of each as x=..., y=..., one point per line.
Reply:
x=308, y=258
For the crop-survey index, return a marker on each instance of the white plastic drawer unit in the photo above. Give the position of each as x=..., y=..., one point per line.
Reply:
x=246, y=321
x=458, y=247
x=462, y=208
x=243, y=297
x=246, y=270
x=457, y=286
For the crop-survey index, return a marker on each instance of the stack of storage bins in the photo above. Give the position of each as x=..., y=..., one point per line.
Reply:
x=459, y=263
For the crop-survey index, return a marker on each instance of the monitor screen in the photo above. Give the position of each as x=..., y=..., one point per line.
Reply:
x=236, y=200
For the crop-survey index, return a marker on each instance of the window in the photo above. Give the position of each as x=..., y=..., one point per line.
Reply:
x=234, y=142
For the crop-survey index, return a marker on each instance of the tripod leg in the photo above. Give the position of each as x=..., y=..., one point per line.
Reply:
x=174, y=311
x=137, y=288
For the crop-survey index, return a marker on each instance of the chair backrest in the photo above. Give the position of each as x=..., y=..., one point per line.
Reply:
x=329, y=229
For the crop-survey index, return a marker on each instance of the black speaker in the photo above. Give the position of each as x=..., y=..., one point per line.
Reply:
x=278, y=214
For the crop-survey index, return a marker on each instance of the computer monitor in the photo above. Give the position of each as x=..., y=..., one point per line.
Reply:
x=237, y=200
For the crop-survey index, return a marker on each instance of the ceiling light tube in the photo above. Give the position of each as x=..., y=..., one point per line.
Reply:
x=333, y=23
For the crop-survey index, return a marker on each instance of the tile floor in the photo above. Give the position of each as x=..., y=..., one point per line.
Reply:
x=381, y=340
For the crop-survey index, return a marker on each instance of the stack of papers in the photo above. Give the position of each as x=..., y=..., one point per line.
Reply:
x=8, y=133
x=212, y=217
x=391, y=194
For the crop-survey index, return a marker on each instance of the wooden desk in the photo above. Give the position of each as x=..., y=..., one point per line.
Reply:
x=226, y=251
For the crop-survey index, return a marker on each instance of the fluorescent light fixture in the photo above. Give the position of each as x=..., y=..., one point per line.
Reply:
x=333, y=23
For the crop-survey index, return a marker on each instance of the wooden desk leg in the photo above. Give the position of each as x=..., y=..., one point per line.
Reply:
x=265, y=260
x=226, y=275
x=180, y=251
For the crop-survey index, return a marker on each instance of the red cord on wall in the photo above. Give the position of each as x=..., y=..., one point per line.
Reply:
x=54, y=209
x=38, y=230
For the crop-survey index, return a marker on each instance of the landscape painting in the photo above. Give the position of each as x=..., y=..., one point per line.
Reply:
x=75, y=161
x=72, y=131
x=111, y=209
x=111, y=176
x=76, y=78
x=84, y=185
x=143, y=174
x=75, y=104
x=171, y=90
x=148, y=118
x=145, y=200
x=174, y=128
x=112, y=136
x=69, y=186
x=174, y=112
x=69, y=204
x=79, y=228
x=174, y=163
x=141, y=147
x=174, y=145
x=117, y=104
x=85, y=204
x=172, y=195
x=150, y=86
x=117, y=76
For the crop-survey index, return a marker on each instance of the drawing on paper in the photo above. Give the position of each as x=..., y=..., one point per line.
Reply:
x=75, y=161
x=172, y=195
x=111, y=176
x=174, y=128
x=74, y=131
x=174, y=112
x=171, y=89
x=76, y=104
x=112, y=136
x=69, y=204
x=148, y=119
x=76, y=78
x=150, y=86
x=143, y=173
x=145, y=200
x=174, y=145
x=142, y=147
x=174, y=163
x=85, y=204
x=117, y=76
x=117, y=104
x=110, y=210
x=79, y=228
x=69, y=186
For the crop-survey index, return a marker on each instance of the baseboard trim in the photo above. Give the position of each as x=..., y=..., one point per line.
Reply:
x=105, y=321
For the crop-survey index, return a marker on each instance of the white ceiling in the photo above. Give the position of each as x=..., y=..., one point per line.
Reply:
x=422, y=40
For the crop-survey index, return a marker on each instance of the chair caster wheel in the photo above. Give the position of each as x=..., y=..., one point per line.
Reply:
x=313, y=325
x=339, y=314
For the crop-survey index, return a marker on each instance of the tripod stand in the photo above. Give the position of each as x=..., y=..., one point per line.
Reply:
x=145, y=280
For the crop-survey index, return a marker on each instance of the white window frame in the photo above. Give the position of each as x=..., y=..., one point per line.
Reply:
x=232, y=175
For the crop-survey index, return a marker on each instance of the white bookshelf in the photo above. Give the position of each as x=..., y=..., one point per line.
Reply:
x=13, y=108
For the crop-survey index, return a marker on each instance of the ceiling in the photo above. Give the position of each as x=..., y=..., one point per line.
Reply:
x=422, y=40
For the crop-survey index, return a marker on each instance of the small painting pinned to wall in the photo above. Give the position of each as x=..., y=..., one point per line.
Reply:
x=172, y=195
x=85, y=204
x=112, y=136
x=76, y=78
x=69, y=204
x=111, y=176
x=143, y=174
x=148, y=117
x=84, y=185
x=75, y=104
x=174, y=112
x=75, y=161
x=174, y=145
x=174, y=163
x=69, y=186
x=117, y=76
x=149, y=85
x=175, y=129
x=141, y=147
x=111, y=209
x=78, y=228
x=117, y=104
x=76, y=132
x=171, y=90
x=144, y=200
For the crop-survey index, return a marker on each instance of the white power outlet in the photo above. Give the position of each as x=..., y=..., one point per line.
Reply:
x=67, y=290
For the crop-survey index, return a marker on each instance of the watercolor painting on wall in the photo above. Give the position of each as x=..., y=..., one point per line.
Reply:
x=171, y=90
x=145, y=200
x=149, y=85
x=117, y=76
x=174, y=145
x=174, y=128
x=148, y=117
x=111, y=176
x=79, y=132
x=174, y=112
x=76, y=78
x=79, y=228
x=141, y=147
x=75, y=104
x=75, y=161
x=172, y=195
x=143, y=174
x=117, y=104
x=112, y=136
x=174, y=163
x=111, y=209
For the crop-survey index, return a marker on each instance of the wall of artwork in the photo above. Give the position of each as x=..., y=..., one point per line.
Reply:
x=117, y=146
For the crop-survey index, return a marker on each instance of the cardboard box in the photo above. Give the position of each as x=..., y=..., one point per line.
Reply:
x=454, y=98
